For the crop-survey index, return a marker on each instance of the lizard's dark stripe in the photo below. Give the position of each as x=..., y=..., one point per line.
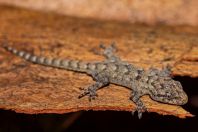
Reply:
x=40, y=60
x=48, y=61
x=78, y=64
x=74, y=64
x=65, y=63
x=139, y=74
x=56, y=62
x=33, y=58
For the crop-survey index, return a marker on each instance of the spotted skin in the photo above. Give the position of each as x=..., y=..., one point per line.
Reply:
x=158, y=84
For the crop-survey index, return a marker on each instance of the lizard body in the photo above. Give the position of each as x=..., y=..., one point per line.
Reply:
x=158, y=84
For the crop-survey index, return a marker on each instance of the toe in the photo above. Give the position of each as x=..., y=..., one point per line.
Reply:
x=139, y=114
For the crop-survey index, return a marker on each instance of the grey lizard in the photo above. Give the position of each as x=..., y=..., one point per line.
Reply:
x=158, y=84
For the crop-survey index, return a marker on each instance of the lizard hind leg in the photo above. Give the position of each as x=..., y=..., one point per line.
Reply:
x=140, y=107
x=109, y=52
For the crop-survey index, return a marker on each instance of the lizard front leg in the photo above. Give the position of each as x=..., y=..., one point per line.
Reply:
x=101, y=81
x=140, y=107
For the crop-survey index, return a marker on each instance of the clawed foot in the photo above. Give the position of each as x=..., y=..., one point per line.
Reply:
x=108, y=51
x=90, y=92
x=139, y=110
x=140, y=107
x=111, y=48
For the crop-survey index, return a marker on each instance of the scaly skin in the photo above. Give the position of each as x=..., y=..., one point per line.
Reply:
x=158, y=84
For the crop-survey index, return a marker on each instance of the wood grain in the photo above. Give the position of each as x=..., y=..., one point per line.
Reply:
x=31, y=88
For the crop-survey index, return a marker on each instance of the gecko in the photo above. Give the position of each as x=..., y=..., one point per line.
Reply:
x=158, y=84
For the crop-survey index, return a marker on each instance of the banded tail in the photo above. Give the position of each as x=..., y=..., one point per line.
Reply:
x=72, y=65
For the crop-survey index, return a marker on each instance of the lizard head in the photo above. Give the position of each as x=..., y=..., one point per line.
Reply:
x=164, y=89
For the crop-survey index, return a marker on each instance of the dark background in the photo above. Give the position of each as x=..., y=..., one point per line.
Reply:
x=99, y=121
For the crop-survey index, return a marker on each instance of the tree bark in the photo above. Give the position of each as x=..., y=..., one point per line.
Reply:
x=32, y=88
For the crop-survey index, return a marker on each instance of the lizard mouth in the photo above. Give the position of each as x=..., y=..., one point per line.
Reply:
x=181, y=100
x=173, y=100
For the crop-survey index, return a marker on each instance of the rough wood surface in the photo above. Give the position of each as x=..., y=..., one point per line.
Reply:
x=31, y=88
x=171, y=12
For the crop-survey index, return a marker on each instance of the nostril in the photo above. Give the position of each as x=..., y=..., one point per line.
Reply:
x=184, y=99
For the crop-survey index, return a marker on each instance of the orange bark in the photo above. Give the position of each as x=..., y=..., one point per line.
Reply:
x=31, y=88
